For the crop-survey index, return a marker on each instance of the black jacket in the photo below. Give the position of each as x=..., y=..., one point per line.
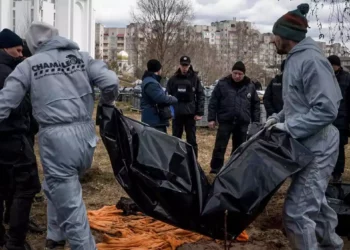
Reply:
x=19, y=120
x=273, y=100
x=231, y=101
x=189, y=92
x=342, y=121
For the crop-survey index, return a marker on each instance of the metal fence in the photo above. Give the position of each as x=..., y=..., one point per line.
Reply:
x=133, y=96
x=136, y=99
x=204, y=121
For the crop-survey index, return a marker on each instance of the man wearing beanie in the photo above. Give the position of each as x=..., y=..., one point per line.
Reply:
x=60, y=80
x=16, y=150
x=342, y=121
x=311, y=98
x=186, y=86
x=234, y=103
x=273, y=101
x=155, y=104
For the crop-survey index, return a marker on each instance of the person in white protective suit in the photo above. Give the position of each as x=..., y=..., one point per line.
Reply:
x=60, y=81
x=311, y=99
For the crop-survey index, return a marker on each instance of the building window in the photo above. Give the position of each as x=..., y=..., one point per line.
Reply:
x=32, y=15
x=54, y=19
x=14, y=14
x=14, y=4
x=32, y=2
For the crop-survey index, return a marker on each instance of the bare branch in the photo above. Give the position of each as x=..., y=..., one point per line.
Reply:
x=163, y=26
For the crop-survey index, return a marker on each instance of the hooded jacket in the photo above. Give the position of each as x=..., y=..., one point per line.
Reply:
x=59, y=78
x=153, y=96
x=19, y=120
x=311, y=96
x=231, y=101
x=195, y=90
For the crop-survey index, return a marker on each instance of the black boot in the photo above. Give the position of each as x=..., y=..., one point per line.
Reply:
x=26, y=246
x=35, y=228
x=215, y=165
x=54, y=245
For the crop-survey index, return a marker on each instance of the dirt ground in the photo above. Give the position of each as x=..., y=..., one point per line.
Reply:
x=100, y=188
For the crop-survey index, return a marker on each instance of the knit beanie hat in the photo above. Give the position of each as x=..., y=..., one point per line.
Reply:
x=9, y=39
x=153, y=65
x=293, y=25
x=334, y=60
x=239, y=66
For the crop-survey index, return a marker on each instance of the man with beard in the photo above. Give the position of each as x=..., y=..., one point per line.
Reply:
x=234, y=103
x=273, y=94
x=342, y=121
x=186, y=86
x=19, y=174
x=311, y=97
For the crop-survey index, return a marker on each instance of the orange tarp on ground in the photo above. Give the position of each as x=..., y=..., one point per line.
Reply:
x=139, y=232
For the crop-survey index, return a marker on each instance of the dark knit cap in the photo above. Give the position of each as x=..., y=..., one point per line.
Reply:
x=334, y=60
x=239, y=66
x=153, y=65
x=293, y=25
x=9, y=39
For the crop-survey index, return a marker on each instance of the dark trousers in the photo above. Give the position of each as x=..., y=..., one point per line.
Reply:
x=161, y=128
x=340, y=165
x=239, y=135
x=19, y=180
x=187, y=122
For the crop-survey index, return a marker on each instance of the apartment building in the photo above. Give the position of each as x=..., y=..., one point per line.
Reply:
x=109, y=42
x=100, y=51
x=73, y=18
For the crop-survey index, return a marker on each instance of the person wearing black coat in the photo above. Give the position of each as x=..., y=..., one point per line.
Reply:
x=234, y=104
x=186, y=86
x=154, y=99
x=272, y=99
x=19, y=179
x=342, y=120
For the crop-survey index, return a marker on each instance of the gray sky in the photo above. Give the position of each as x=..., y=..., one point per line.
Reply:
x=263, y=13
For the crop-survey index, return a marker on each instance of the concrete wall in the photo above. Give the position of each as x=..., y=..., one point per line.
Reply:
x=5, y=14
x=79, y=24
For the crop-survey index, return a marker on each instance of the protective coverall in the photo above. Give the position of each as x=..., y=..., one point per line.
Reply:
x=60, y=81
x=311, y=99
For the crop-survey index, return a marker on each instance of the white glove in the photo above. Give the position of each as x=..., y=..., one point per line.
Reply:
x=271, y=121
x=279, y=126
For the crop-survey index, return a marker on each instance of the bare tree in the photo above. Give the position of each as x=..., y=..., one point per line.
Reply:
x=163, y=26
x=338, y=19
x=204, y=59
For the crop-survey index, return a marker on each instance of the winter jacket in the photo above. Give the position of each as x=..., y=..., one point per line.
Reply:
x=342, y=121
x=60, y=80
x=311, y=97
x=189, y=92
x=153, y=96
x=273, y=101
x=257, y=85
x=231, y=101
x=19, y=120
